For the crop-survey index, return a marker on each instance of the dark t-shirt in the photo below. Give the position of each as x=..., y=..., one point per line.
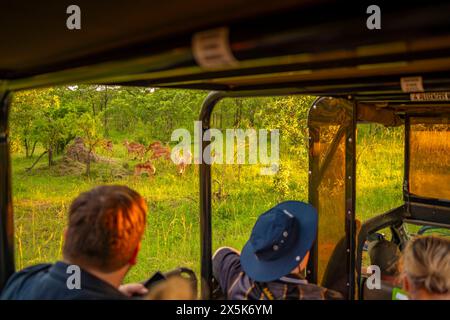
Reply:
x=49, y=282
x=236, y=285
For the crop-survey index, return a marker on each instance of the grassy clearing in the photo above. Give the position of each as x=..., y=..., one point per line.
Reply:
x=172, y=239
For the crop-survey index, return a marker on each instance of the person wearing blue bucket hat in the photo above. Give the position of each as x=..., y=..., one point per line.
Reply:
x=273, y=259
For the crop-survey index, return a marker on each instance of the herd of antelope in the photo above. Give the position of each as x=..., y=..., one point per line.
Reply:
x=157, y=151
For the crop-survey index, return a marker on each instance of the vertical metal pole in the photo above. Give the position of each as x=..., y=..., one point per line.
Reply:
x=350, y=194
x=406, y=157
x=6, y=209
x=205, y=198
x=313, y=198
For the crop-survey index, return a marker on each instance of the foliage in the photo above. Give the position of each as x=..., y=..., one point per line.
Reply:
x=281, y=181
x=289, y=115
x=38, y=117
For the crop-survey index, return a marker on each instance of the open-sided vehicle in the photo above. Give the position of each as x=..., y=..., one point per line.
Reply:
x=396, y=76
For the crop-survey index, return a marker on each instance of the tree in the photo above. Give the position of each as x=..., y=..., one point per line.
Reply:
x=289, y=114
x=55, y=125
x=26, y=111
x=38, y=117
x=90, y=129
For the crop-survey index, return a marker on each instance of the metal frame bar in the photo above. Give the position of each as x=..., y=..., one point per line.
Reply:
x=6, y=209
x=426, y=212
x=205, y=197
x=350, y=196
x=406, y=163
x=313, y=198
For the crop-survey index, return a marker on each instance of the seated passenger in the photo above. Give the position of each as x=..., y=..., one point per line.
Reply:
x=426, y=268
x=385, y=255
x=273, y=261
x=101, y=244
x=335, y=274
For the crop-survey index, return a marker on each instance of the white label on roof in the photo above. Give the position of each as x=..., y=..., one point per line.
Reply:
x=430, y=96
x=411, y=84
x=211, y=49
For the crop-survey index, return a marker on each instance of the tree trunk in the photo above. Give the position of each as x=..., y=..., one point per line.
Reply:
x=252, y=118
x=88, y=164
x=50, y=156
x=35, y=162
x=105, y=118
x=105, y=124
x=238, y=114
x=33, y=149
x=25, y=142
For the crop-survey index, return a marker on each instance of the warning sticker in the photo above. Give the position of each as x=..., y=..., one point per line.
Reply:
x=430, y=96
x=411, y=84
x=211, y=49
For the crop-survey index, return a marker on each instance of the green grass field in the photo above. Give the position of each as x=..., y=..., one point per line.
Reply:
x=42, y=196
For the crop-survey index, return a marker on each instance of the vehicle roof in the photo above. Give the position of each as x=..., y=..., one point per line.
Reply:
x=312, y=47
x=35, y=39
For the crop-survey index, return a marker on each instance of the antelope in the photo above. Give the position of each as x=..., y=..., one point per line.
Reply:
x=134, y=148
x=144, y=167
x=159, y=151
x=155, y=144
x=182, y=161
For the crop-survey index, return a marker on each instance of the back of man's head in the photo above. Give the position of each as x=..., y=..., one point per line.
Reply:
x=105, y=228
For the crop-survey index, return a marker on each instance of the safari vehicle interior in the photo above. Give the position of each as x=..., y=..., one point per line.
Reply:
x=395, y=76
x=332, y=125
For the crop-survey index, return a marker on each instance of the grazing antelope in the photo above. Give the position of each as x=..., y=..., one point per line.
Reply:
x=144, y=167
x=182, y=161
x=134, y=148
x=159, y=151
x=155, y=144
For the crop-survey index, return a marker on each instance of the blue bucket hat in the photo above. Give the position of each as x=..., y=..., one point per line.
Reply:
x=279, y=241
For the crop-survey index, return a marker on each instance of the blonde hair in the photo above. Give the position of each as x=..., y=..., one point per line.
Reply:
x=426, y=263
x=174, y=288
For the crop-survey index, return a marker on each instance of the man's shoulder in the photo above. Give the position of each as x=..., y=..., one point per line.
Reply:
x=20, y=280
x=51, y=282
x=42, y=267
x=29, y=272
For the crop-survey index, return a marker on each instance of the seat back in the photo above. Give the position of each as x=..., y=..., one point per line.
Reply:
x=384, y=293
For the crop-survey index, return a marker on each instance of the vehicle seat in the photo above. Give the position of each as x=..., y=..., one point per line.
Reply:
x=384, y=293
